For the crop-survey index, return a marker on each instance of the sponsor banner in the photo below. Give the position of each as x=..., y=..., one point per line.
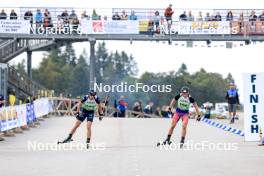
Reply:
x=253, y=105
x=15, y=26
x=21, y=115
x=3, y=119
x=29, y=115
x=109, y=27
x=16, y=116
x=246, y=27
x=8, y=118
x=41, y=107
x=186, y=27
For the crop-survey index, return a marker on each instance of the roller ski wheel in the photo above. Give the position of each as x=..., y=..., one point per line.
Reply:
x=65, y=141
x=181, y=145
x=164, y=143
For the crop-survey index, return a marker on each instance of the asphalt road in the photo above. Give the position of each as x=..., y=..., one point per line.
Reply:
x=127, y=147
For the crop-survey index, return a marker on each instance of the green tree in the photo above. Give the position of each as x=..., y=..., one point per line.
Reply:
x=21, y=67
x=79, y=77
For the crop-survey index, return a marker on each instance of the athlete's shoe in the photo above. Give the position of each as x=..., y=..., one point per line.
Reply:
x=67, y=140
x=181, y=145
x=87, y=144
x=166, y=142
x=232, y=120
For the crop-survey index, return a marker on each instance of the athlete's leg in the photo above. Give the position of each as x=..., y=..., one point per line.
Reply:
x=79, y=120
x=174, y=122
x=89, y=129
x=76, y=125
x=230, y=110
x=185, y=120
x=233, y=112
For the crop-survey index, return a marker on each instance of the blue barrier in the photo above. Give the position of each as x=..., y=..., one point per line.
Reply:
x=223, y=127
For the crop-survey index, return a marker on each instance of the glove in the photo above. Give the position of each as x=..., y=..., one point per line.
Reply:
x=198, y=118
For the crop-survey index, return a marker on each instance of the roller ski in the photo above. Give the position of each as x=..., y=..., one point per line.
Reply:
x=67, y=140
x=88, y=143
x=181, y=145
x=232, y=121
x=166, y=142
x=101, y=117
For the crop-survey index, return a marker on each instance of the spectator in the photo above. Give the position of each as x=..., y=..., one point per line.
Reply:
x=169, y=112
x=166, y=112
x=207, y=113
x=132, y=16
x=229, y=16
x=124, y=16
x=200, y=17
x=13, y=15
x=47, y=19
x=261, y=17
x=168, y=14
x=85, y=16
x=3, y=15
x=105, y=18
x=95, y=16
x=12, y=97
x=29, y=16
x=104, y=105
x=156, y=19
x=190, y=17
x=241, y=21
x=218, y=17
x=116, y=16
x=38, y=18
x=122, y=106
x=148, y=108
x=138, y=108
x=2, y=102
x=73, y=19
x=183, y=17
x=60, y=22
x=253, y=16
x=212, y=18
x=65, y=17
x=158, y=112
x=207, y=17
x=232, y=98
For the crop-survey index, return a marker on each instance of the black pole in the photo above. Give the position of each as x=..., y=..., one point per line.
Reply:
x=92, y=63
x=29, y=64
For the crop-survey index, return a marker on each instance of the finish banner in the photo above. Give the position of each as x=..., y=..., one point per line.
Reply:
x=253, y=105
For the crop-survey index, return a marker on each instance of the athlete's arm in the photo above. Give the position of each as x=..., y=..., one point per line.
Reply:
x=100, y=108
x=198, y=114
x=196, y=109
x=172, y=103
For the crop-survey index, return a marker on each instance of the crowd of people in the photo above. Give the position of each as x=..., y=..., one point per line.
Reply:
x=44, y=17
